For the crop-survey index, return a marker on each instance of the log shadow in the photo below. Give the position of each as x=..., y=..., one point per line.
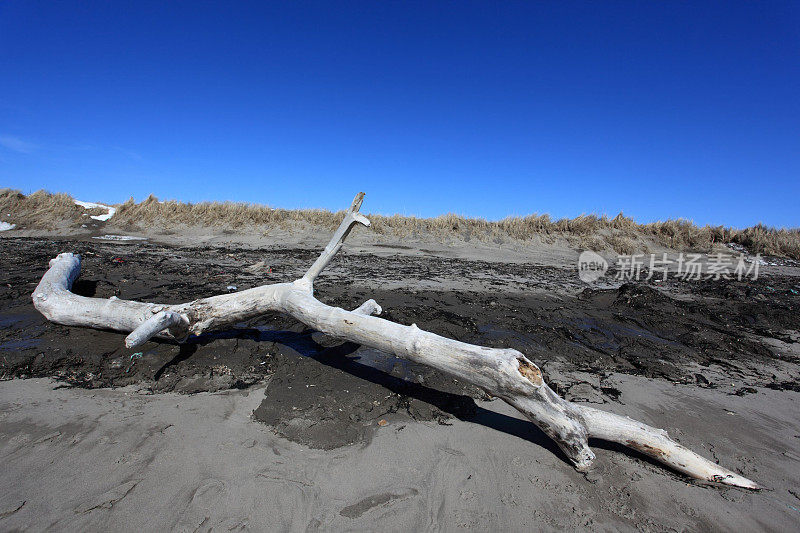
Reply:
x=633, y=454
x=460, y=406
x=85, y=287
x=185, y=352
x=341, y=357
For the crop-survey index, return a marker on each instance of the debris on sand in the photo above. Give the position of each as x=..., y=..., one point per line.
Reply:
x=120, y=238
x=258, y=268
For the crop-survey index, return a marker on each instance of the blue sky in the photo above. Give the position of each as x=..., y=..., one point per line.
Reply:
x=657, y=109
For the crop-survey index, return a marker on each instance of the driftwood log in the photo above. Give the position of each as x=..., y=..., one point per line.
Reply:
x=501, y=372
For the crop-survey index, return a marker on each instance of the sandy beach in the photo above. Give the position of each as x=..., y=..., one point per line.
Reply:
x=129, y=460
x=274, y=426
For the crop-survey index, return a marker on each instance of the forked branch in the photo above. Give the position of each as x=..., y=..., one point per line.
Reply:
x=502, y=372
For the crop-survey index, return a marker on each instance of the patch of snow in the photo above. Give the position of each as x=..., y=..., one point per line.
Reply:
x=91, y=205
x=120, y=238
x=771, y=261
x=737, y=247
x=5, y=226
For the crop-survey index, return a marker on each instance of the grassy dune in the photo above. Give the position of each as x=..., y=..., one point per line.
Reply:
x=44, y=210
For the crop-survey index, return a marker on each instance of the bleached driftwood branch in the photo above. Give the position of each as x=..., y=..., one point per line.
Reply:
x=502, y=372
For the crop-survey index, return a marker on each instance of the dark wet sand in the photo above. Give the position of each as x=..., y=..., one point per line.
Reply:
x=283, y=426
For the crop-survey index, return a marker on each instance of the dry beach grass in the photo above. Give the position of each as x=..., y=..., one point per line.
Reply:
x=44, y=210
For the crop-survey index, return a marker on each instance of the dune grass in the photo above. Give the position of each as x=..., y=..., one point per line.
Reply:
x=622, y=234
x=42, y=210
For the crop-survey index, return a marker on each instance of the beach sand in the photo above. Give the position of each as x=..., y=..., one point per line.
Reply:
x=271, y=426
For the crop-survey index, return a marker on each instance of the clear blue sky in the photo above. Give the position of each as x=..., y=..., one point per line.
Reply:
x=658, y=109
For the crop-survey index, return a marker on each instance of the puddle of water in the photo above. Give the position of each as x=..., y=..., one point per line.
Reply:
x=304, y=345
x=16, y=320
x=608, y=337
x=29, y=323
x=494, y=332
x=387, y=363
x=20, y=344
x=614, y=331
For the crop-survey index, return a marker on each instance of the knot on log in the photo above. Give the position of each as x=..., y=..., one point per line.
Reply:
x=530, y=371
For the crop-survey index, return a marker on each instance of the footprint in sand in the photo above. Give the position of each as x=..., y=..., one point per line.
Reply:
x=375, y=500
x=107, y=499
x=204, y=504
